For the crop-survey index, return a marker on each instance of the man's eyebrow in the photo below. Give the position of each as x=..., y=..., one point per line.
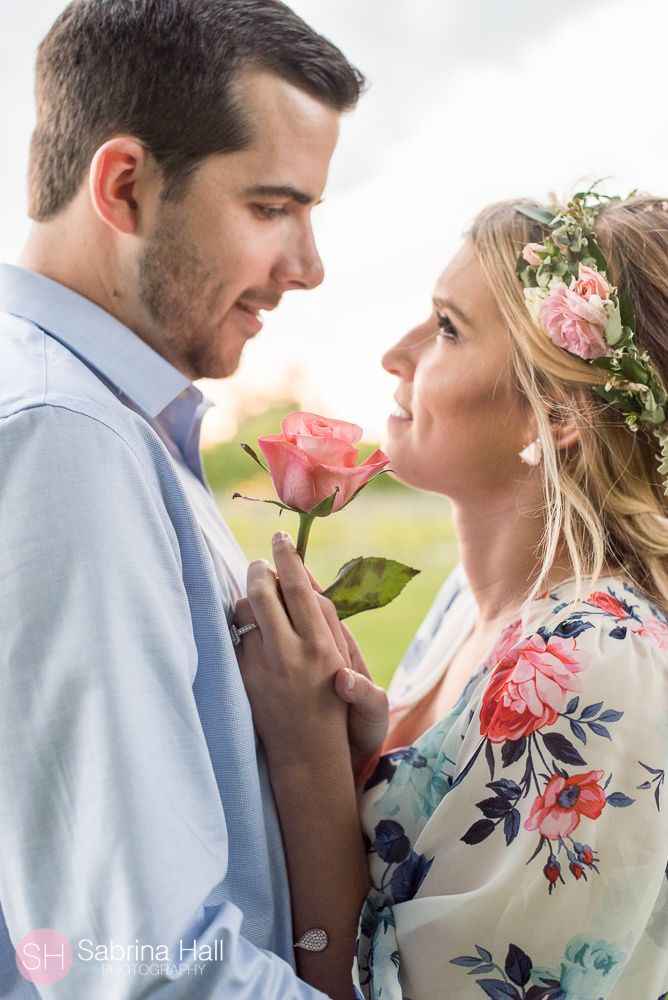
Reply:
x=449, y=304
x=280, y=191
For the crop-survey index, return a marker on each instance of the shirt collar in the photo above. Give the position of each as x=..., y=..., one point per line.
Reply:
x=102, y=341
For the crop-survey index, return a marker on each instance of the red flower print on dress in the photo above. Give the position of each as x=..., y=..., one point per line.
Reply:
x=530, y=687
x=609, y=604
x=557, y=812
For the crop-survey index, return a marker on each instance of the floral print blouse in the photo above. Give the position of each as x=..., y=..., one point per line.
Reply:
x=519, y=849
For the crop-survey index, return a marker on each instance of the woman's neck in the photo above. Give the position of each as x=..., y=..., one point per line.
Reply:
x=500, y=550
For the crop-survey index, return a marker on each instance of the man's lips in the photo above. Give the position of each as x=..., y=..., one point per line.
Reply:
x=251, y=312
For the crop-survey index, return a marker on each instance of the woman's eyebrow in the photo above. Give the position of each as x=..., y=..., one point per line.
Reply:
x=449, y=304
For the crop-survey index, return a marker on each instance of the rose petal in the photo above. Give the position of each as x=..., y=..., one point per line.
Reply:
x=291, y=472
x=327, y=450
x=304, y=423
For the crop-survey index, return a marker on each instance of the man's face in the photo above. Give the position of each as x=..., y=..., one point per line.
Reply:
x=240, y=237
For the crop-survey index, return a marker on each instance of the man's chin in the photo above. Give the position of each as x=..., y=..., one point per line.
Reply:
x=217, y=366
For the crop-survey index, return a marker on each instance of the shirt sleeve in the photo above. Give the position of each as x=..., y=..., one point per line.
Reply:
x=519, y=848
x=111, y=827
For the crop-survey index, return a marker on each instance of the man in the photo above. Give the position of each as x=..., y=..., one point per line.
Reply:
x=180, y=147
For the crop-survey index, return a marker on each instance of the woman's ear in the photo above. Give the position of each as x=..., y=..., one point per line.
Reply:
x=565, y=434
x=564, y=426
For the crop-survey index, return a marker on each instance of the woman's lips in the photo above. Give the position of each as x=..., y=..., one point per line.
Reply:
x=401, y=414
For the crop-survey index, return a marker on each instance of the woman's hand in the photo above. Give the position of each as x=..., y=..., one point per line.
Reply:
x=289, y=665
x=290, y=661
x=368, y=711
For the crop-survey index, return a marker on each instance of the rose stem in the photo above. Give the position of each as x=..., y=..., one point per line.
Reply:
x=305, y=522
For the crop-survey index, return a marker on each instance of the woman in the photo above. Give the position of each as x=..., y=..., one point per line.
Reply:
x=518, y=848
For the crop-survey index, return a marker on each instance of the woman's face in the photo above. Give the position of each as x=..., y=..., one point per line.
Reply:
x=460, y=423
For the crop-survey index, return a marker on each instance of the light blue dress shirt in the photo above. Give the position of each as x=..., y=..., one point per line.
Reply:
x=134, y=807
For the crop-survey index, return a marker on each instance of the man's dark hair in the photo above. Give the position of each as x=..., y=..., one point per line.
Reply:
x=163, y=71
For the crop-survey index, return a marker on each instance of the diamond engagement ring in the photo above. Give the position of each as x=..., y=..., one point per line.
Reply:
x=236, y=633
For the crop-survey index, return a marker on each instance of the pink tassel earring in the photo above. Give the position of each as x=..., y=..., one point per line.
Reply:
x=532, y=454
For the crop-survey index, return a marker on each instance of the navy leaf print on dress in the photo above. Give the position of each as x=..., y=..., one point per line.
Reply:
x=562, y=749
x=409, y=876
x=479, y=831
x=383, y=771
x=391, y=843
x=498, y=990
x=518, y=966
x=512, y=750
x=571, y=628
x=619, y=800
x=511, y=826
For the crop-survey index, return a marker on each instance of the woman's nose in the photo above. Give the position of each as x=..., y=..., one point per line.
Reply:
x=401, y=359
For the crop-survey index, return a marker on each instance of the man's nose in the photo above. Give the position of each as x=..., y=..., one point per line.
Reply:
x=299, y=265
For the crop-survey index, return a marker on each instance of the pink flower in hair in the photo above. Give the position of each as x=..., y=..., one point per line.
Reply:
x=575, y=323
x=591, y=282
x=531, y=251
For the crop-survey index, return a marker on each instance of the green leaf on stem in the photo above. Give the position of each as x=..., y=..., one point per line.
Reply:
x=249, y=451
x=613, y=328
x=367, y=583
x=542, y=215
x=626, y=309
x=325, y=507
x=276, y=503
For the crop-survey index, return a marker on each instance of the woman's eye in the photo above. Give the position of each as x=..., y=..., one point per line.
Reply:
x=445, y=327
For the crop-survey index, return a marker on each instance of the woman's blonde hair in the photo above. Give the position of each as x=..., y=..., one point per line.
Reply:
x=604, y=496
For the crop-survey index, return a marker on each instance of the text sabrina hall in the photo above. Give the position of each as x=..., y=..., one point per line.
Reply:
x=147, y=952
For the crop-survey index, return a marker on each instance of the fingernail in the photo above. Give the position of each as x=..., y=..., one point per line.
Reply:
x=351, y=680
x=282, y=536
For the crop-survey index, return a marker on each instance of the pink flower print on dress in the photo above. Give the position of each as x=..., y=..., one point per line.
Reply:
x=530, y=687
x=655, y=631
x=557, y=812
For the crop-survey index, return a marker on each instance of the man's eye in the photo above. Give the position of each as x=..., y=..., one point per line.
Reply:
x=445, y=327
x=270, y=212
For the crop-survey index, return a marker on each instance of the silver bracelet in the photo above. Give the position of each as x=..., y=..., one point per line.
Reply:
x=314, y=940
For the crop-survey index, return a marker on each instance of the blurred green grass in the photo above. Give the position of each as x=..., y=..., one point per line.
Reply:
x=387, y=519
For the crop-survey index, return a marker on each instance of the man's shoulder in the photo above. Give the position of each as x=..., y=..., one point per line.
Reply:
x=38, y=371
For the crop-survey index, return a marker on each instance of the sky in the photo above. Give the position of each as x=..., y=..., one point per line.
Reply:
x=469, y=102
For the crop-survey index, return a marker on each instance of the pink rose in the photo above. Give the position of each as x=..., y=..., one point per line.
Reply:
x=557, y=813
x=313, y=456
x=590, y=283
x=531, y=251
x=574, y=323
x=530, y=687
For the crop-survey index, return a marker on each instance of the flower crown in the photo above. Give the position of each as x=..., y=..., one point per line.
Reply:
x=570, y=297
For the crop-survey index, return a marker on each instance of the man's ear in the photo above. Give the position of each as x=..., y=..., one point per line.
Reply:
x=114, y=173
